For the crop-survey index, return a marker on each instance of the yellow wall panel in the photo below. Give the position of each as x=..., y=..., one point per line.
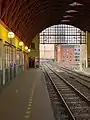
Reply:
x=35, y=53
x=4, y=36
x=3, y=33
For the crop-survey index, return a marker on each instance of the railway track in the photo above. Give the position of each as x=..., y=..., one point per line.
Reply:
x=81, y=79
x=80, y=84
x=79, y=75
x=59, y=109
x=77, y=104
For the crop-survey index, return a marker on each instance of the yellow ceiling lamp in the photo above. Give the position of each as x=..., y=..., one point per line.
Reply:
x=58, y=49
x=26, y=48
x=20, y=43
x=11, y=35
x=29, y=50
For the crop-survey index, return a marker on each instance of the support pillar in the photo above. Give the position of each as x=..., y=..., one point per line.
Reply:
x=59, y=54
x=88, y=50
x=83, y=56
x=55, y=53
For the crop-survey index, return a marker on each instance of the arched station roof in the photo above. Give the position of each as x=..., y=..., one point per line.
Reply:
x=26, y=18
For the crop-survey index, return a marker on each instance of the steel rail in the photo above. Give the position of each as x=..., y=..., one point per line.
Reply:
x=75, y=89
x=76, y=72
x=61, y=97
x=73, y=75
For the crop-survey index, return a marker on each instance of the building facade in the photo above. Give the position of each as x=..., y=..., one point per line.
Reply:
x=69, y=54
x=77, y=54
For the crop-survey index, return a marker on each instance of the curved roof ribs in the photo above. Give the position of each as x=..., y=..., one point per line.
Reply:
x=26, y=18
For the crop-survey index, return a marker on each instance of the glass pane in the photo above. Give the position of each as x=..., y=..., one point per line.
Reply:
x=62, y=34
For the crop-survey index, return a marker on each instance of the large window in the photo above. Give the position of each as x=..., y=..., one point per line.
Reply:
x=62, y=34
x=19, y=57
x=1, y=60
x=8, y=55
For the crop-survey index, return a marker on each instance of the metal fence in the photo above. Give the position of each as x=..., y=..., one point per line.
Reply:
x=62, y=34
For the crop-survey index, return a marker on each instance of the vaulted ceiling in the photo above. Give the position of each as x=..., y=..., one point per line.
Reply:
x=26, y=18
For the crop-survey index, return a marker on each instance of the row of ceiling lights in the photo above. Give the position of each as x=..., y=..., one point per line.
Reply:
x=11, y=35
x=71, y=11
x=26, y=48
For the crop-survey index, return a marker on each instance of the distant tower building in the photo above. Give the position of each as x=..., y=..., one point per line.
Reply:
x=67, y=54
x=77, y=54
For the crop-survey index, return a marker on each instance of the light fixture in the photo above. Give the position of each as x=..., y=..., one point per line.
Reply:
x=29, y=50
x=75, y=4
x=26, y=48
x=65, y=20
x=11, y=35
x=20, y=43
x=67, y=16
x=71, y=11
x=59, y=50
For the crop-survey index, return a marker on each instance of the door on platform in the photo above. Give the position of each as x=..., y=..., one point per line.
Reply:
x=31, y=62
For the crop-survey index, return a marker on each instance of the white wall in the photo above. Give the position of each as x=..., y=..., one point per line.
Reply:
x=47, y=51
x=83, y=55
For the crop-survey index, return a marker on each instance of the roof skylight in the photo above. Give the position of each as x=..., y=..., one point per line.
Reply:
x=71, y=11
x=67, y=16
x=75, y=4
x=65, y=20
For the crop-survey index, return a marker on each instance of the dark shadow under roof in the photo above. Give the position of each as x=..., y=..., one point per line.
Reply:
x=26, y=18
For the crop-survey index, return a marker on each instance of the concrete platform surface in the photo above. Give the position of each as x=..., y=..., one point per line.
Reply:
x=26, y=98
x=85, y=71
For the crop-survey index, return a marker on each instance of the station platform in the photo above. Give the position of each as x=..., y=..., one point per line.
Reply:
x=76, y=68
x=26, y=98
x=85, y=71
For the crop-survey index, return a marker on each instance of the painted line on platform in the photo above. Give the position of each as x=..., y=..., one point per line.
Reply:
x=30, y=103
x=17, y=90
x=28, y=112
x=27, y=116
x=30, y=99
x=29, y=108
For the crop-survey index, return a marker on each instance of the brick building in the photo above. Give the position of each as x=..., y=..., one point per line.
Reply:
x=66, y=53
